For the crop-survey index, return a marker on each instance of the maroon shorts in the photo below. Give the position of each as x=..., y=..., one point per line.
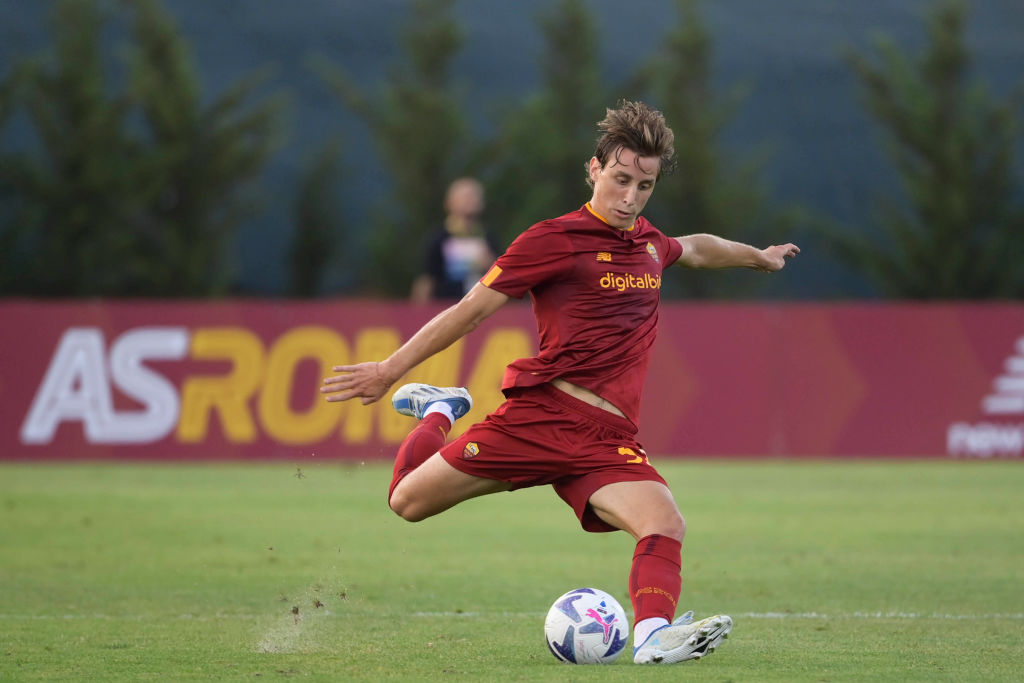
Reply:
x=542, y=435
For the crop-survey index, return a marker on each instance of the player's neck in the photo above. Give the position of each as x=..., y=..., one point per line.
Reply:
x=590, y=208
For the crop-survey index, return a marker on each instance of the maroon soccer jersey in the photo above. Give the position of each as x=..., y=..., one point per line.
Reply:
x=595, y=292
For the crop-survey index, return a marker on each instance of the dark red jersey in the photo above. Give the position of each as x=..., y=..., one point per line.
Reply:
x=595, y=292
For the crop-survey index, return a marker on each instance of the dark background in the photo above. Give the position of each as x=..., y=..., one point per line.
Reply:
x=802, y=105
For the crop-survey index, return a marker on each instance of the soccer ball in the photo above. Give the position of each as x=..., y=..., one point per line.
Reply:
x=586, y=626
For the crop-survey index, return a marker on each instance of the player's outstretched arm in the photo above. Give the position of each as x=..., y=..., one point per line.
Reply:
x=711, y=251
x=370, y=381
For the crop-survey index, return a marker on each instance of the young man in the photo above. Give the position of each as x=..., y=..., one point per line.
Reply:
x=462, y=249
x=570, y=418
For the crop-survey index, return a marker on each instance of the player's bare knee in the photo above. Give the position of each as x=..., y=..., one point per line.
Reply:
x=675, y=527
x=672, y=526
x=406, y=508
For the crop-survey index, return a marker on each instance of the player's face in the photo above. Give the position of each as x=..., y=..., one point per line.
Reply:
x=622, y=186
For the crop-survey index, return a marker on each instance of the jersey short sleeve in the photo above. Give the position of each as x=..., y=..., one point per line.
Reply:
x=539, y=254
x=673, y=249
x=669, y=249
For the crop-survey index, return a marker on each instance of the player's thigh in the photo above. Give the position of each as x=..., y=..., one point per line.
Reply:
x=435, y=486
x=640, y=508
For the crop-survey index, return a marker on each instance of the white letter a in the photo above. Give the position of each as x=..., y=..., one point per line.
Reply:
x=75, y=388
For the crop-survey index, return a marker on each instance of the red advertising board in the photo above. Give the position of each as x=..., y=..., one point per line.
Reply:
x=239, y=379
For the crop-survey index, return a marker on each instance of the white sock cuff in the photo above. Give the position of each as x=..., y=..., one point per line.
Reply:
x=441, y=407
x=645, y=628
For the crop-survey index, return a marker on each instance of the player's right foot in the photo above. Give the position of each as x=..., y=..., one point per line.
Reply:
x=414, y=399
x=680, y=640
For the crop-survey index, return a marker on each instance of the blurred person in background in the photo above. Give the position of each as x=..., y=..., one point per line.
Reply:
x=460, y=253
x=571, y=413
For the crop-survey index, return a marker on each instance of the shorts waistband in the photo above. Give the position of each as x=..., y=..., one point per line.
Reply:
x=599, y=415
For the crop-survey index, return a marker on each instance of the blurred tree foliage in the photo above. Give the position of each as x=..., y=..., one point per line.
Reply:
x=124, y=192
x=68, y=203
x=424, y=141
x=958, y=232
x=315, y=243
x=536, y=166
x=119, y=178
x=708, y=192
x=201, y=157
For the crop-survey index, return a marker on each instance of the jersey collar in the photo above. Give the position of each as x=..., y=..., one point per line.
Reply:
x=602, y=219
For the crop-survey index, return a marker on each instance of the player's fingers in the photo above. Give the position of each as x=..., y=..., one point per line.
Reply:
x=342, y=396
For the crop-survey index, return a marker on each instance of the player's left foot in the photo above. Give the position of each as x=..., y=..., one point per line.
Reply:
x=414, y=399
x=683, y=639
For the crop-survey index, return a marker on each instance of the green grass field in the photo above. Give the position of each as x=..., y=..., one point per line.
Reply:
x=842, y=571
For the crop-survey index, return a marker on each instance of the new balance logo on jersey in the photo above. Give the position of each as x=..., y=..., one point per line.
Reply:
x=604, y=256
x=623, y=281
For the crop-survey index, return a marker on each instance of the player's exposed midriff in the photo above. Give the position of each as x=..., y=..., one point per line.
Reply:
x=585, y=395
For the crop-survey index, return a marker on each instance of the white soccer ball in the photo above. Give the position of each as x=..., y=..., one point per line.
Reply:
x=586, y=626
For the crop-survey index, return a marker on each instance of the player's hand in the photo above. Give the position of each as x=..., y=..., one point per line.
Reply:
x=366, y=381
x=775, y=257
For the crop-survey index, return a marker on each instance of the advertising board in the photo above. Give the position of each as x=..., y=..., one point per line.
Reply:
x=238, y=379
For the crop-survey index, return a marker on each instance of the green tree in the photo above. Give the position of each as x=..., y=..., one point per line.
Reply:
x=707, y=192
x=68, y=198
x=315, y=241
x=957, y=232
x=129, y=192
x=418, y=126
x=537, y=162
x=199, y=159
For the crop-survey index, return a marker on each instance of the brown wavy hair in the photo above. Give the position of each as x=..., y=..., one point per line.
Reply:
x=638, y=128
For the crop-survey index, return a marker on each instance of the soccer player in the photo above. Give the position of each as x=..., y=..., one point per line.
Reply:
x=570, y=415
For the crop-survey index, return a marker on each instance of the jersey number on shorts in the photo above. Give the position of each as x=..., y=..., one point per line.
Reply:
x=634, y=458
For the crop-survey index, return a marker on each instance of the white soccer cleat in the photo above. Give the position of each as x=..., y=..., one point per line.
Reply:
x=683, y=639
x=414, y=399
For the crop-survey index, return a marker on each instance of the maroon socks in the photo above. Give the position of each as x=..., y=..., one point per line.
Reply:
x=426, y=439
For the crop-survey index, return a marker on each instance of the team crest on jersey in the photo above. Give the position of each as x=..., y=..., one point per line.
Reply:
x=605, y=256
x=470, y=451
x=652, y=252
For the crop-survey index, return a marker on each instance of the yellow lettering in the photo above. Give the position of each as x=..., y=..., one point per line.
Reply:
x=227, y=394
x=318, y=418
